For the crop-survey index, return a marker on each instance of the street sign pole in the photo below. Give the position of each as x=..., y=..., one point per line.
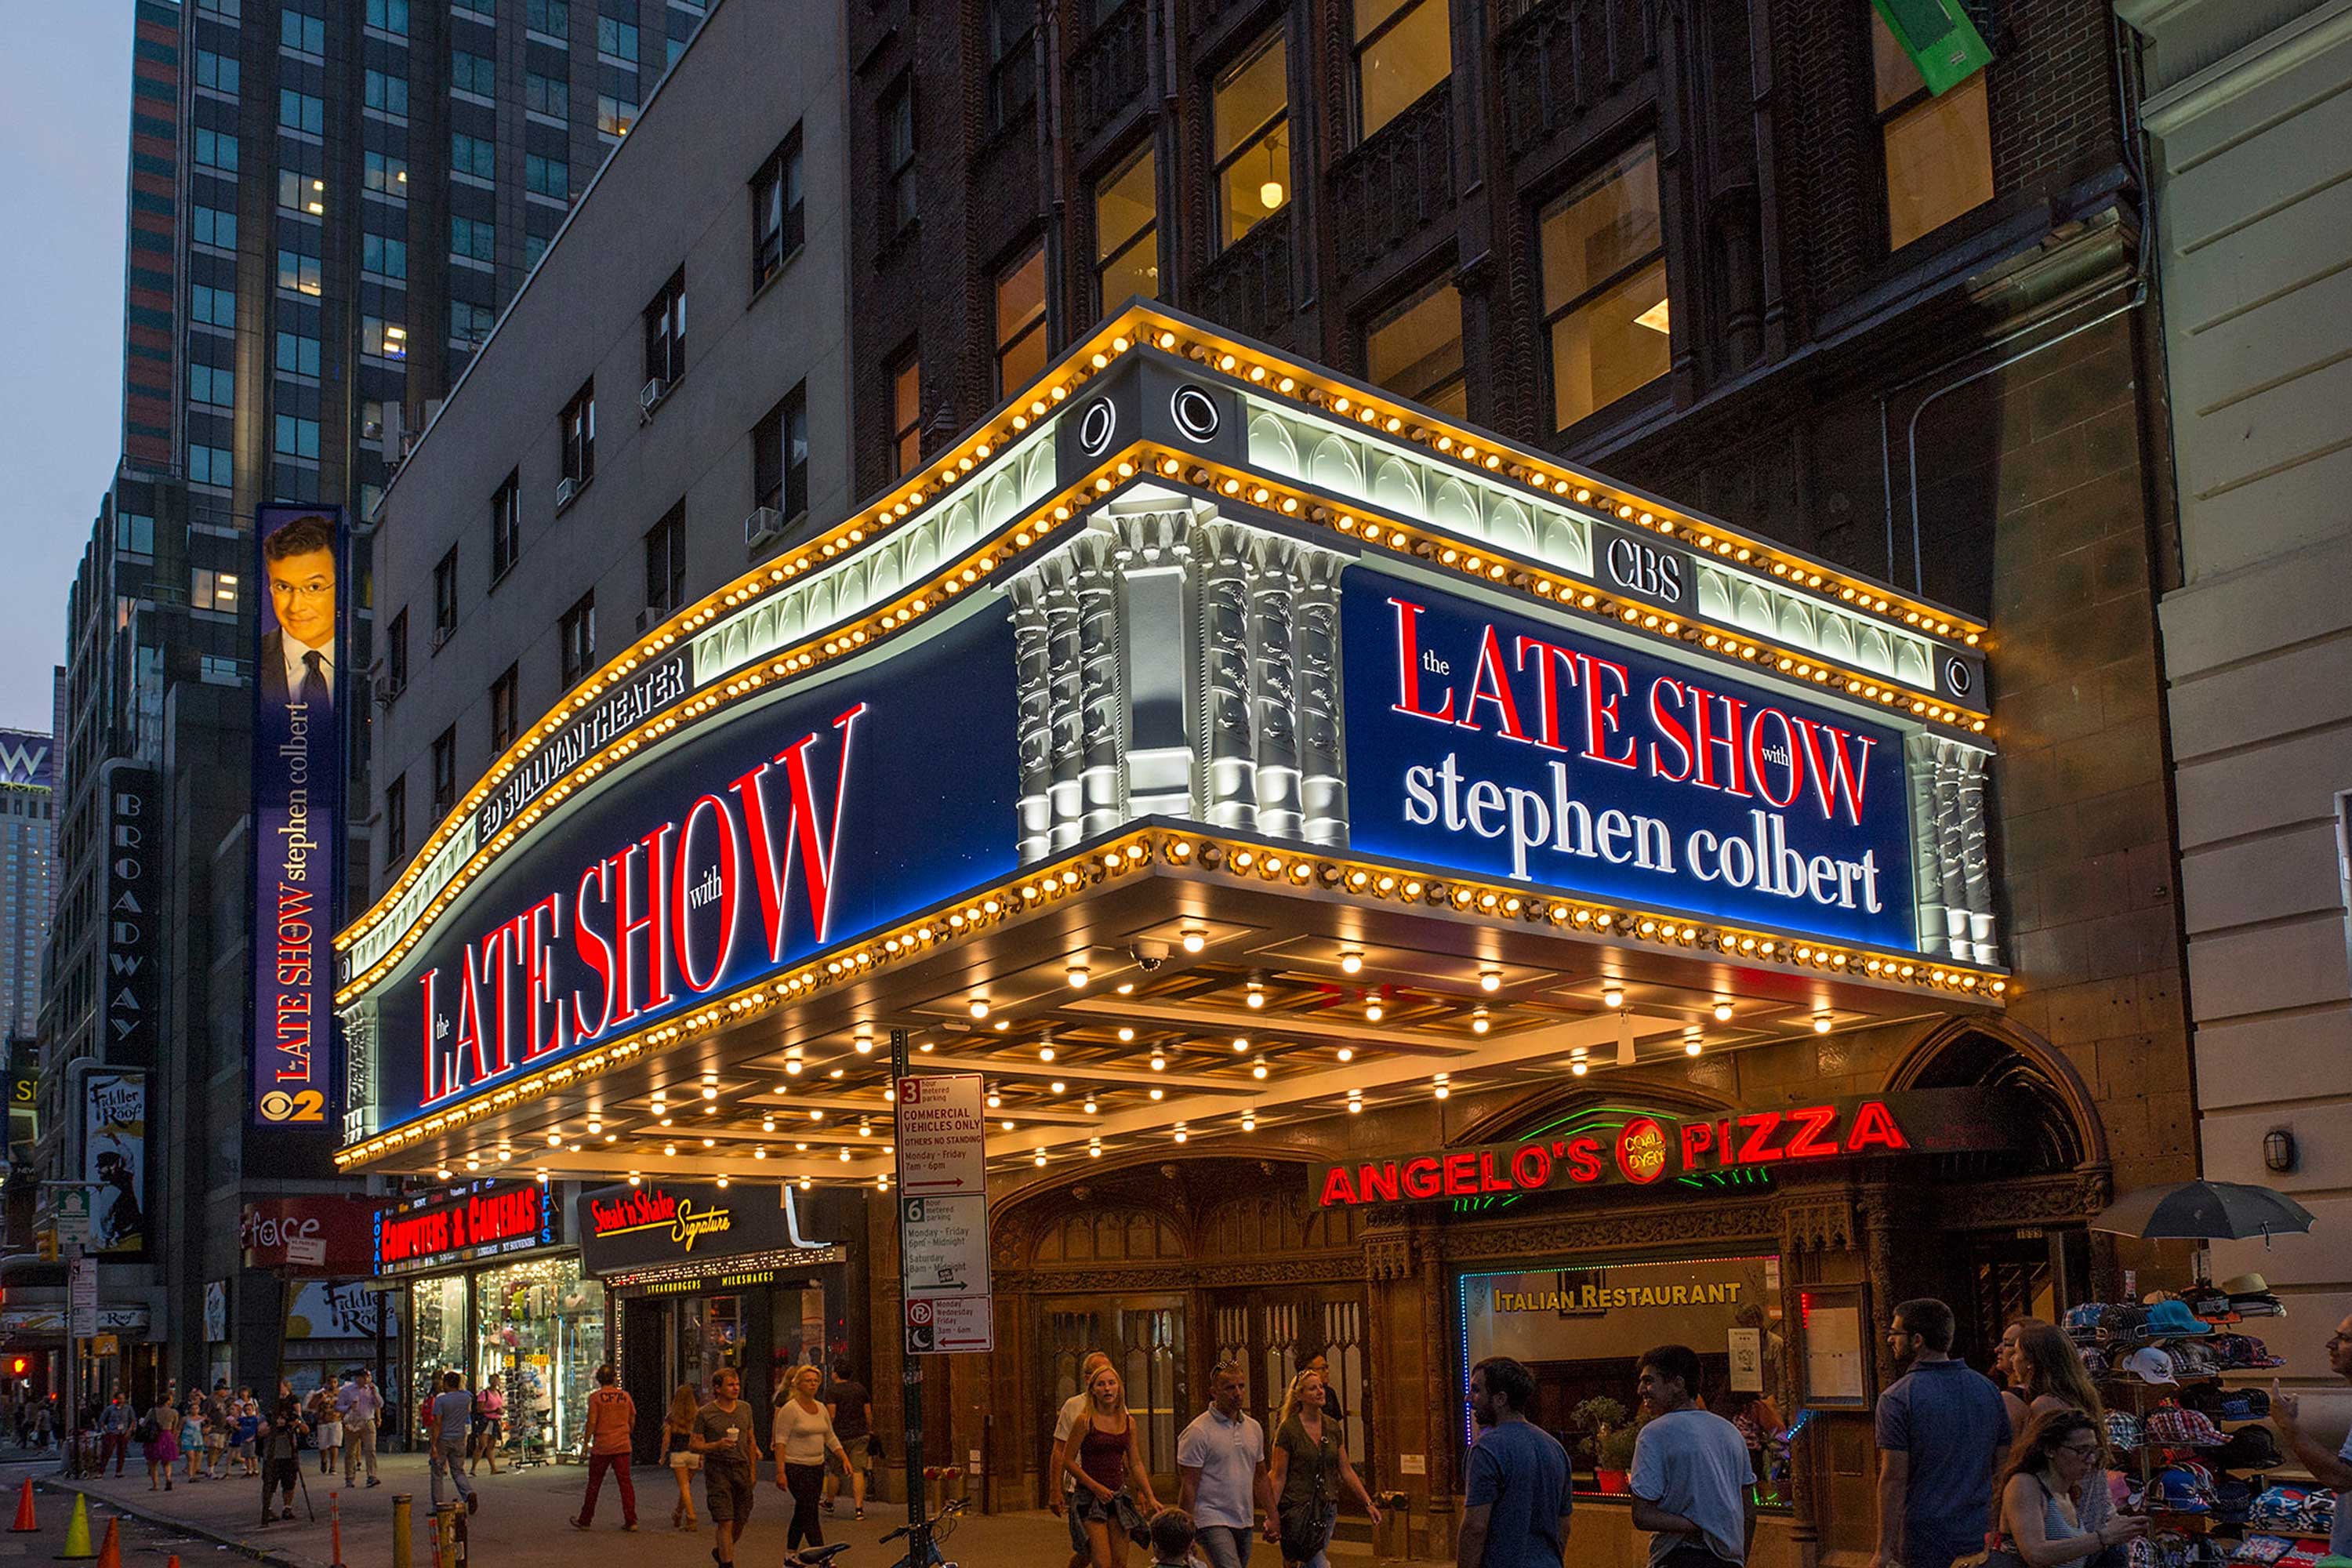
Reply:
x=910, y=1376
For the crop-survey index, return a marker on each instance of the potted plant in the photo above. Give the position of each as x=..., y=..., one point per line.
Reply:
x=1613, y=1459
x=1608, y=1441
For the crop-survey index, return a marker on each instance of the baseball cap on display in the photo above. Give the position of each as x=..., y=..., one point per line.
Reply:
x=2177, y=1426
x=2193, y=1358
x=2173, y=1319
x=2229, y=1404
x=2206, y=1299
x=2244, y=1350
x=2121, y=1321
x=2094, y=1363
x=2151, y=1365
x=2262, y=1551
x=2125, y=1432
x=2250, y=1448
x=2179, y=1491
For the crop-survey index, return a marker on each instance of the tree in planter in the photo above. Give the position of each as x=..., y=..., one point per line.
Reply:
x=1597, y=1418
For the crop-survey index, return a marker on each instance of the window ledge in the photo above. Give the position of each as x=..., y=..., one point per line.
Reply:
x=759, y=291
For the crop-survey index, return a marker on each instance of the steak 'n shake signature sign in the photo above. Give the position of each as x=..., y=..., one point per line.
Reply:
x=1503, y=746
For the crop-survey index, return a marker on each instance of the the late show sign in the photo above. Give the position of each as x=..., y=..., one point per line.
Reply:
x=727, y=856
x=1503, y=746
x=1648, y=1148
x=482, y=1219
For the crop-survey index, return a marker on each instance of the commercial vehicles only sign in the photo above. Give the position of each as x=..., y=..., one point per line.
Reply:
x=943, y=1135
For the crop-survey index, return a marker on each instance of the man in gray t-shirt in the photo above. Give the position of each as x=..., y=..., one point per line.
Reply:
x=453, y=1417
x=1691, y=1477
x=722, y=1435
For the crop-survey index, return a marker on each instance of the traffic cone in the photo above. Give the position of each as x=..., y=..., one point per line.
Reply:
x=78, y=1530
x=110, y=1555
x=24, y=1520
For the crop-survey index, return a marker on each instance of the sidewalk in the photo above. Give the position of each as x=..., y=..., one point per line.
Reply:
x=524, y=1522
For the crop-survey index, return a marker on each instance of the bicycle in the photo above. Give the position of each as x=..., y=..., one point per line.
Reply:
x=942, y=1525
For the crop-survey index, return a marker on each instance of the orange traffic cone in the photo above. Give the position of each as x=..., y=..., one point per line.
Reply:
x=24, y=1520
x=110, y=1553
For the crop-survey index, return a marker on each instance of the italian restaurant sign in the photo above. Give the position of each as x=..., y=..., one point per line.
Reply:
x=1647, y=1148
x=1499, y=745
x=461, y=1225
x=728, y=855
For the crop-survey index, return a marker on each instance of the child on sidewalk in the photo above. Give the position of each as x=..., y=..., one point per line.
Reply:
x=1171, y=1539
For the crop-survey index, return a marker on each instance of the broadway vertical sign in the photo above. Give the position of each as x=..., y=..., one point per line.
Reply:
x=297, y=810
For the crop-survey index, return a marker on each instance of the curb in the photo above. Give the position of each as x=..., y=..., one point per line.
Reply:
x=66, y=1485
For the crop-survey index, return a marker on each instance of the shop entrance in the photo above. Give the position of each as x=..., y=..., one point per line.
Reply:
x=1274, y=1332
x=1145, y=1338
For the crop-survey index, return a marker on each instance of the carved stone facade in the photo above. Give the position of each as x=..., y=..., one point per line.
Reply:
x=1242, y=729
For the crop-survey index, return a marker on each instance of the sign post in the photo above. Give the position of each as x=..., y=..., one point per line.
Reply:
x=911, y=1373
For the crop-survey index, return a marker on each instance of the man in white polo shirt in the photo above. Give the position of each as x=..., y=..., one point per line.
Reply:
x=1221, y=1457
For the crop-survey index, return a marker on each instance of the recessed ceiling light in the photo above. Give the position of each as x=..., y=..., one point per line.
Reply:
x=1193, y=939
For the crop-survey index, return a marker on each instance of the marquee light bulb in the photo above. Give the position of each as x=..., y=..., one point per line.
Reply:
x=1039, y=1159
x=1057, y=1086
x=994, y=1100
x=1125, y=1034
x=635, y=1178
x=1441, y=1088
x=1822, y=1022
x=595, y=1125
x=864, y=1129
x=722, y=1181
x=1194, y=939
x=1045, y=1053
x=804, y=1184
x=1723, y=1012
x=1374, y=1011
x=761, y=1152
x=1257, y=1068
x=1158, y=1092
x=1350, y=962
x=1256, y=997
x=442, y=1174
x=863, y=1041
x=555, y=1138
x=979, y=1006
x=845, y=1156
x=1346, y=1053
x=1249, y=1120
x=1579, y=1066
x=1692, y=1047
x=1490, y=980
x=1006, y=1124
x=1612, y=995
x=1480, y=1022
x=1094, y=1150
x=1158, y=1062
x=1079, y=974
x=711, y=1090
x=1090, y=1105
x=817, y=1116
x=670, y=1149
x=792, y=1068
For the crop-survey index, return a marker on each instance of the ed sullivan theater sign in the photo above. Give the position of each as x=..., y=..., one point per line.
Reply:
x=1650, y=1147
x=1165, y=656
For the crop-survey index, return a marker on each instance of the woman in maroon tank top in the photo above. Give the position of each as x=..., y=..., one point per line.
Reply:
x=1106, y=1457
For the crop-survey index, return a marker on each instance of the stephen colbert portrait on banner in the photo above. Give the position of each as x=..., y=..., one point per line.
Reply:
x=298, y=653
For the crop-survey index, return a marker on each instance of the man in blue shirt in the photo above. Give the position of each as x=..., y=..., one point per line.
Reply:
x=2328, y=1470
x=1516, y=1512
x=1942, y=1432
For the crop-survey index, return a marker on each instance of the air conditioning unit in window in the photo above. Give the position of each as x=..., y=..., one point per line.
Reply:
x=386, y=690
x=650, y=398
x=764, y=526
x=371, y=430
x=565, y=488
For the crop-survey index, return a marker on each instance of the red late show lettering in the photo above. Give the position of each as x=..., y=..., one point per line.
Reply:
x=1489, y=684
x=1409, y=667
x=632, y=921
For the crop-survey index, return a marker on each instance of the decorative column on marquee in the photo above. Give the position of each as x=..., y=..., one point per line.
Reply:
x=1062, y=688
x=1102, y=789
x=1274, y=686
x=1952, y=869
x=1322, y=775
x=1034, y=723
x=1227, y=746
x=359, y=1022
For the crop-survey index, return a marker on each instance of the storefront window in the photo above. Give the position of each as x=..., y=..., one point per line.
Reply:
x=542, y=1334
x=1581, y=1329
x=443, y=1344
x=709, y=1336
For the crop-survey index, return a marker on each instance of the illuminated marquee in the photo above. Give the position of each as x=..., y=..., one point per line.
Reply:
x=1650, y=1147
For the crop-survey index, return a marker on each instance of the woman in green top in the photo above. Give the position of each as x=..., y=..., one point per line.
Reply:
x=1309, y=1461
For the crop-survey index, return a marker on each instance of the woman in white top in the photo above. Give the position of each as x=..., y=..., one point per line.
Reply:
x=801, y=1434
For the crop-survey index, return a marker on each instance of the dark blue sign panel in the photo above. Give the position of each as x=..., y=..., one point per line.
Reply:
x=796, y=824
x=297, y=809
x=1508, y=747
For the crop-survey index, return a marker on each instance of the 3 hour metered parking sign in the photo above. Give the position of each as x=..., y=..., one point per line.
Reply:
x=942, y=1134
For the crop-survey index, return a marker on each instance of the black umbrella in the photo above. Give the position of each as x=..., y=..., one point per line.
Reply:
x=2203, y=1211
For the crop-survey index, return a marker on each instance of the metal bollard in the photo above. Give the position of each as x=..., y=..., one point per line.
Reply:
x=462, y=1534
x=445, y=1536
x=335, y=1527
x=402, y=1550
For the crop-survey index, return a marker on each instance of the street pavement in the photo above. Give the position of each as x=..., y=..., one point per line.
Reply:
x=523, y=1522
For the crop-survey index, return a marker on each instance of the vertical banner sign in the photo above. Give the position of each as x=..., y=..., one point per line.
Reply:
x=298, y=786
x=132, y=941
x=114, y=1161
